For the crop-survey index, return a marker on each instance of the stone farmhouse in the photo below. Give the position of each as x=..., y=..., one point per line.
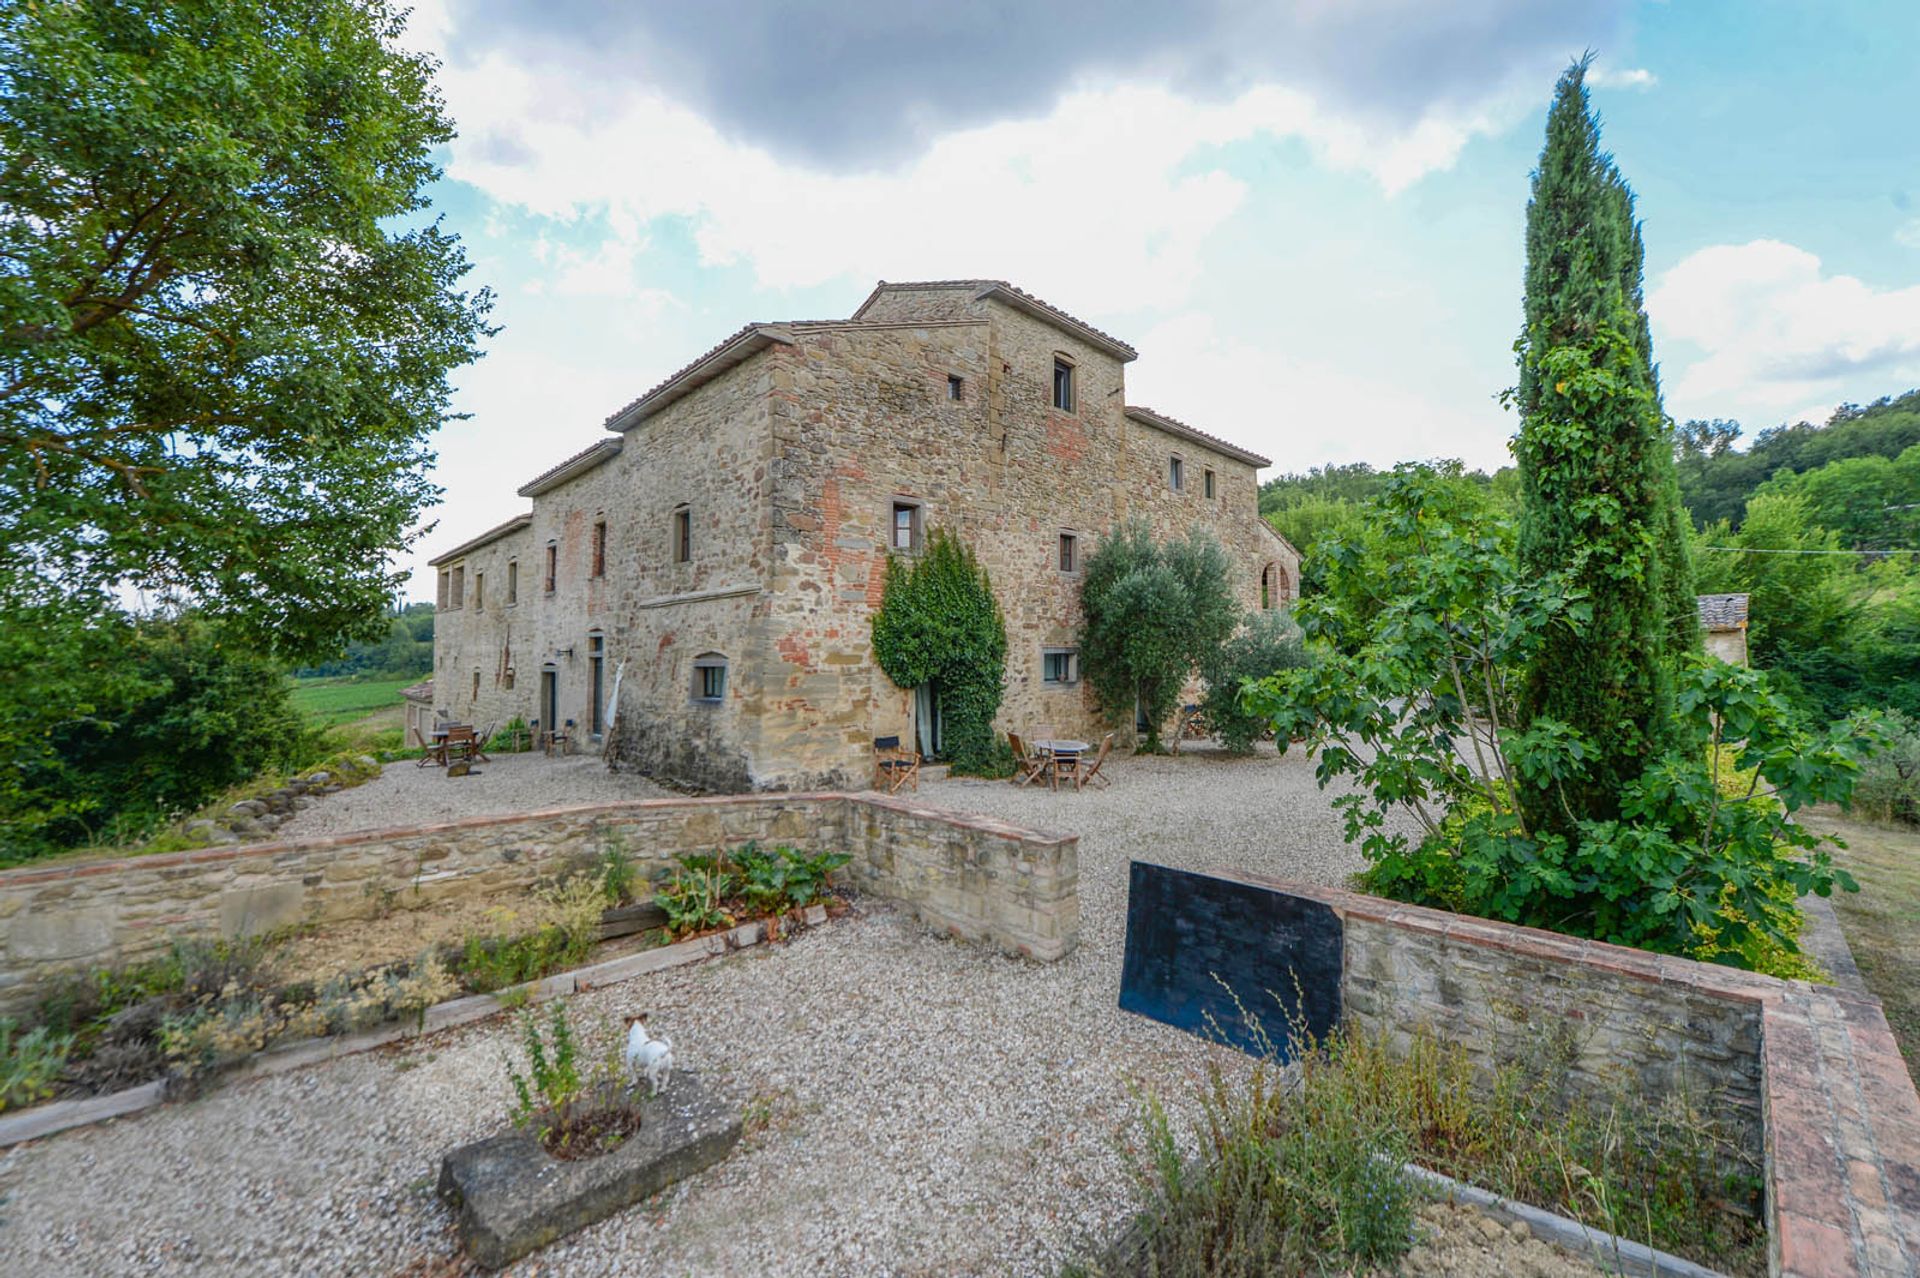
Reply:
x=693, y=595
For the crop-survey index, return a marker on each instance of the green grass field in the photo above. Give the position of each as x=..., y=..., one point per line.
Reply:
x=332, y=702
x=1882, y=921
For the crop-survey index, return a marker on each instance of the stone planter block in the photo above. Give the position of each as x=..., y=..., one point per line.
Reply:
x=511, y=1197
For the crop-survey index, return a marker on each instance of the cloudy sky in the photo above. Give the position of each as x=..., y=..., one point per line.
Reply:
x=1305, y=215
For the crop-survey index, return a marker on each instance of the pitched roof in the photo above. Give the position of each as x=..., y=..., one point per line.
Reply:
x=1019, y=299
x=744, y=343
x=1160, y=421
x=1722, y=612
x=492, y=534
x=422, y=691
x=578, y=464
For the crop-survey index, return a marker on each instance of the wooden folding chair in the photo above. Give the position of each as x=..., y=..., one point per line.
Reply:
x=1092, y=774
x=1028, y=766
x=461, y=746
x=480, y=742
x=894, y=765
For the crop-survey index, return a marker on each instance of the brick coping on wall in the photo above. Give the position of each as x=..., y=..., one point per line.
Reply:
x=28, y=874
x=1841, y=1113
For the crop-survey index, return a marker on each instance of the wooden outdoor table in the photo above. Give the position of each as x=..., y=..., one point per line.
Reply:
x=1057, y=748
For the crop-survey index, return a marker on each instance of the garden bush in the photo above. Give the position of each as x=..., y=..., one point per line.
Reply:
x=1270, y=642
x=1889, y=788
x=1414, y=700
x=717, y=889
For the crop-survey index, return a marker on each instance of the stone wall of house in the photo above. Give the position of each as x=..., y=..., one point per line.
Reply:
x=979, y=879
x=1728, y=645
x=791, y=463
x=650, y=614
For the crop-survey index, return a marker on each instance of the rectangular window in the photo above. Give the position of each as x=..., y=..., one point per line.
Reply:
x=1063, y=385
x=709, y=678
x=476, y=685
x=479, y=591
x=1176, y=473
x=683, y=536
x=906, y=526
x=596, y=669
x=446, y=593
x=1059, y=666
x=1209, y=485
x=553, y=566
x=953, y=386
x=459, y=588
x=1069, y=552
x=600, y=548
x=513, y=582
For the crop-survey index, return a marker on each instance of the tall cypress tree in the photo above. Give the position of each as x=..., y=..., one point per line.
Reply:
x=1593, y=458
x=1675, y=542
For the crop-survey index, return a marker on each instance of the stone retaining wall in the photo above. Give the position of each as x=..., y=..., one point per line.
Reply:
x=1810, y=1072
x=975, y=878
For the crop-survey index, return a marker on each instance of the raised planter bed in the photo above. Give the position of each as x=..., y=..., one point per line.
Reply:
x=512, y=1197
x=58, y=1116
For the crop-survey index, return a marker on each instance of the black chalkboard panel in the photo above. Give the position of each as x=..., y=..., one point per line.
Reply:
x=1195, y=943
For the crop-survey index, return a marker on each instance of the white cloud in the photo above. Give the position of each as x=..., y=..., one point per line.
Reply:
x=1777, y=334
x=1908, y=234
x=1304, y=412
x=1108, y=177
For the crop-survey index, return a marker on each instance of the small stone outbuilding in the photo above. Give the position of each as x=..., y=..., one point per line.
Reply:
x=694, y=595
x=1723, y=622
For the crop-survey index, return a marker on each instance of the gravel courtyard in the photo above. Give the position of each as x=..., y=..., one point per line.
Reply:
x=405, y=794
x=916, y=1105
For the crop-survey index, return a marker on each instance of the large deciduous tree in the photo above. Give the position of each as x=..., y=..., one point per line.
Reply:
x=226, y=323
x=1595, y=464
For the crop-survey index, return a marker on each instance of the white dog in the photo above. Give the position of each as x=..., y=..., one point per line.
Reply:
x=648, y=1056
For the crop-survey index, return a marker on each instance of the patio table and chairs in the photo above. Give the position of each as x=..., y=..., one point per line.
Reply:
x=1055, y=759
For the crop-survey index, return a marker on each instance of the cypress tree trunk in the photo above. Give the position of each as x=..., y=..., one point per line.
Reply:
x=1595, y=467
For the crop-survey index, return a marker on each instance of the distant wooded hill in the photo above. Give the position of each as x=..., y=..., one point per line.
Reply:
x=1716, y=477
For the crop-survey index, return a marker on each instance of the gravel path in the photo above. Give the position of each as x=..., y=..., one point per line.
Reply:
x=406, y=794
x=919, y=1106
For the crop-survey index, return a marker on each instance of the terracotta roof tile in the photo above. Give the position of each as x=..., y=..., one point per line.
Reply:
x=610, y=447
x=1722, y=612
x=1174, y=425
x=474, y=543
x=984, y=287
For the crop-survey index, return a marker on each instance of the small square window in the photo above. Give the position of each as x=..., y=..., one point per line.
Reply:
x=1063, y=385
x=1209, y=485
x=1059, y=666
x=1176, y=474
x=600, y=548
x=1069, y=552
x=953, y=386
x=905, y=532
x=683, y=536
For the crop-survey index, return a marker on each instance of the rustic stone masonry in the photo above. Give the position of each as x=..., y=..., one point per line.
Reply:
x=1811, y=1072
x=972, y=877
x=696, y=595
